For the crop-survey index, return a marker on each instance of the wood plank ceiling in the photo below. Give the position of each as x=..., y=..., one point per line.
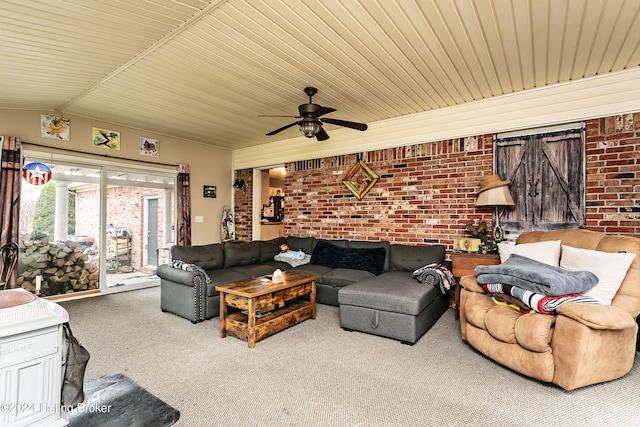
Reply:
x=204, y=70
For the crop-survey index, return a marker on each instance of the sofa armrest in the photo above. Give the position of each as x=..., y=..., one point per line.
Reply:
x=597, y=316
x=187, y=278
x=471, y=284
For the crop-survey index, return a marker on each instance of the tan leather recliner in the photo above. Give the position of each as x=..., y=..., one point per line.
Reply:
x=580, y=345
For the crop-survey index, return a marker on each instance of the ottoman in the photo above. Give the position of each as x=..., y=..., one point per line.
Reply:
x=392, y=305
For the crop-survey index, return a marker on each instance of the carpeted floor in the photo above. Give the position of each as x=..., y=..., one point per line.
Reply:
x=316, y=374
x=114, y=400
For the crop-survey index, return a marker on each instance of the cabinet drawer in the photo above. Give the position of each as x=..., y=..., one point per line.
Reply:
x=29, y=345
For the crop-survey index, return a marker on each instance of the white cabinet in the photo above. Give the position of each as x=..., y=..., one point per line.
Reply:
x=32, y=350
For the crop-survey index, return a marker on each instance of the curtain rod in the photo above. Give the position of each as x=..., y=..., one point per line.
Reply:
x=69, y=150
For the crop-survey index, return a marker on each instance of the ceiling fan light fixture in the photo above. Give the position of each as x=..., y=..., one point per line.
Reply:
x=309, y=128
x=311, y=125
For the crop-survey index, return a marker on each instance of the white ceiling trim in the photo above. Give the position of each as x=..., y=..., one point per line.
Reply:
x=615, y=93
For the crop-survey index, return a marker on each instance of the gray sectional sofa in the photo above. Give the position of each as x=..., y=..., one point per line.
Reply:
x=371, y=282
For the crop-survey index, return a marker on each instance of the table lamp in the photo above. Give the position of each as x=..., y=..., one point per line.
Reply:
x=494, y=193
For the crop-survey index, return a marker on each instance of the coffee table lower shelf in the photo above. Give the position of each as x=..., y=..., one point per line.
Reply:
x=296, y=311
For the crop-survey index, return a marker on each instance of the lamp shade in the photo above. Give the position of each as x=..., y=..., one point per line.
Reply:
x=497, y=196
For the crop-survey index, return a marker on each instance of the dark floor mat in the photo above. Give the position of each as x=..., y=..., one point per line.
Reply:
x=115, y=400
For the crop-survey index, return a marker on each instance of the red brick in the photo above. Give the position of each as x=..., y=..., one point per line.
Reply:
x=454, y=173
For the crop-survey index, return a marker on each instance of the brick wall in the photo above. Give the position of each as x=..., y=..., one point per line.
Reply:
x=613, y=174
x=125, y=208
x=88, y=214
x=427, y=192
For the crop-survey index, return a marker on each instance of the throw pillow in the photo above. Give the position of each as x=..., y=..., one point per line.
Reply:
x=611, y=268
x=241, y=253
x=547, y=252
x=367, y=259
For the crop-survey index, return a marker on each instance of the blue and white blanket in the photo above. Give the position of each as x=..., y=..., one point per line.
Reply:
x=294, y=258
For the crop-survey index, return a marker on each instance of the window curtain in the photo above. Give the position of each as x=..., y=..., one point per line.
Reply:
x=10, y=172
x=184, y=206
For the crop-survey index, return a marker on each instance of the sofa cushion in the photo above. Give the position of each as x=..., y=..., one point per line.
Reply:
x=284, y=266
x=222, y=276
x=547, y=252
x=395, y=291
x=610, y=268
x=367, y=259
x=339, y=277
x=270, y=248
x=313, y=269
x=411, y=258
x=253, y=270
x=341, y=243
x=532, y=331
x=476, y=306
x=304, y=244
x=381, y=244
x=241, y=253
x=206, y=256
x=500, y=323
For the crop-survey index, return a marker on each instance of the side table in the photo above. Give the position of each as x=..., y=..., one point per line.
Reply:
x=463, y=264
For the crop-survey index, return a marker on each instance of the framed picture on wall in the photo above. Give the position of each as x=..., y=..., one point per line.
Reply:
x=149, y=147
x=106, y=138
x=54, y=127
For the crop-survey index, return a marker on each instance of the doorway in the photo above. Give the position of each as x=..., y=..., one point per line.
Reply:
x=269, y=202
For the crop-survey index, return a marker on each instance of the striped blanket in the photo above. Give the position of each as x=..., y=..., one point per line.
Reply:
x=181, y=265
x=527, y=300
x=437, y=275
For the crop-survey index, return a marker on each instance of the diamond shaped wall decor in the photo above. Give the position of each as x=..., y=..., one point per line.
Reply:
x=360, y=179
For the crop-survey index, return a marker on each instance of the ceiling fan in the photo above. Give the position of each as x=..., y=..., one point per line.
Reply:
x=311, y=123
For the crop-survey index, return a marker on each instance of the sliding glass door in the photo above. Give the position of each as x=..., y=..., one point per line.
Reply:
x=92, y=227
x=139, y=222
x=59, y=229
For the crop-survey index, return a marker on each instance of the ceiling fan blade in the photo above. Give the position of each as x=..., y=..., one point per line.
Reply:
x=291, y=117
x=322, y=135
x=352, y=125
x=314, y=110
x=321, y=111
x=282, y=128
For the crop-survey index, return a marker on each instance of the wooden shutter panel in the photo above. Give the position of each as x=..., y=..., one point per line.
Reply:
x=511, y=164
x=547, y=180
x=561, y=159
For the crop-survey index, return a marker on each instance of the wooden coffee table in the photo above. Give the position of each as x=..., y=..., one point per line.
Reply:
x=264, y=307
